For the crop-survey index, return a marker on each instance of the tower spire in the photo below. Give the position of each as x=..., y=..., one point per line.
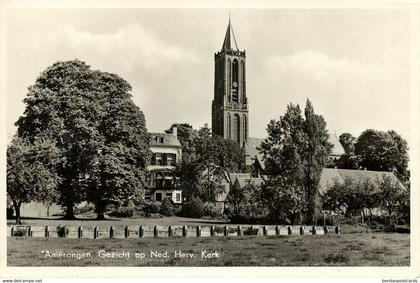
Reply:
x=229, y=38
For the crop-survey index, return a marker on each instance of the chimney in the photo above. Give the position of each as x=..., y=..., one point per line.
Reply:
x=365, y=169
x=175, y=131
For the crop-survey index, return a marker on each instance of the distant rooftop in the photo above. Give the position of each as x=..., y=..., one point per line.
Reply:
x=338, y=148
x=330, y=175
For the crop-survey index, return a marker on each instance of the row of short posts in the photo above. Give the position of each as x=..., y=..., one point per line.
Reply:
x=184, y=231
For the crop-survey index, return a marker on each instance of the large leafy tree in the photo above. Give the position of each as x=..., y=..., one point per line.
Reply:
x=206, y=161
x=244, y=205
x=99, y=132
x=31, y=172
x=295, y=152
x=316, y=156
x=392, y=195
x=186, y=134
x=350, y=196
x=383, y=151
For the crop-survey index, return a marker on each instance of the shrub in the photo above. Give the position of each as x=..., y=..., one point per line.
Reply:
x=167, y=208
x=151, y=207
x=122, y=212
x=210, y=209
x=250, y=231
x=20, y=232
x=219, y=229
x=193, y=208
x=62, y=231
x=87, y=207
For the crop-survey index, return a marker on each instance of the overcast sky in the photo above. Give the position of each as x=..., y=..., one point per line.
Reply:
x=352, y=64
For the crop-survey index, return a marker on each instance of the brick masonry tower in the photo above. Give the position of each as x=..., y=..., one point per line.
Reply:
x=230, y=105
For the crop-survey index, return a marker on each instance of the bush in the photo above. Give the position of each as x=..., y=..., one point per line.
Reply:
x=210, y=209
x=20, y=232
x=194, y=208
x=219, y=229
x=87, y=207
x=250, y=231
x=62, y=231
x=122, y=212
x=167, y=208
x=151, y=207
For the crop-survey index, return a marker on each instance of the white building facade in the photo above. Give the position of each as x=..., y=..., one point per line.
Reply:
x=166, y=154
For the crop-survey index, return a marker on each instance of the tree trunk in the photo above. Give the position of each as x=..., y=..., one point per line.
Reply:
x=100, y=209
x=69, y=211
x=17, y=212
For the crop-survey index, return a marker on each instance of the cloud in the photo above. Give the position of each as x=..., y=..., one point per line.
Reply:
x=129, y=47
x=325, y=70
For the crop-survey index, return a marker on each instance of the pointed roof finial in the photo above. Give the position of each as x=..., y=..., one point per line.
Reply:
x=229, y=34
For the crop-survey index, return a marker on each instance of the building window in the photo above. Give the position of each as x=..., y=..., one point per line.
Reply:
x=171, y=157
x=152, y=180
x=178, y=197
x=243, y=81
x=228, y=125
x=237, y=128
x=245, y=127
x=158, y=158
x=235, y=81
x=158, y=196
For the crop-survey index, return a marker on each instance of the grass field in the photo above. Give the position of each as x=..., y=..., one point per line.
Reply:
x=358, y=249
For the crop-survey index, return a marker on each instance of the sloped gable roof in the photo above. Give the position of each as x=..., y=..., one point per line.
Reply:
x=168, y=140
x=338, y=148
x=234, y=176
x=329, y=175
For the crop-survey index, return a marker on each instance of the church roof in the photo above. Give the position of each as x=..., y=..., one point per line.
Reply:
x=330, y=175
x=234, y=176
x=229, y=39
x=252, y=149
x=338, y=148
x=245, y=181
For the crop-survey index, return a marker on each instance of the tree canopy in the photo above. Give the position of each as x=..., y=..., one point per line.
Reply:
x=99, y=132
x=383, y=151
x=31, y=172
x=206, y=160
x=295, y=152
x=348, y=141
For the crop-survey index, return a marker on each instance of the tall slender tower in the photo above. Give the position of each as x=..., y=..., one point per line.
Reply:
x=230, y=105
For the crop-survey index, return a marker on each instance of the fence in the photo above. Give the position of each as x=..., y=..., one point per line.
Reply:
x=165, y=231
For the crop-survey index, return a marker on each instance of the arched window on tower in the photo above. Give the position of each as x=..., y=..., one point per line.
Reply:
x=228, y=75
x=235, y=81
x=237, y=128
x=243, y=82
x=245, y=127
x=228, y=125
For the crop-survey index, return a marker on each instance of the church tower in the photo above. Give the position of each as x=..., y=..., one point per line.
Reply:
x=230, y=105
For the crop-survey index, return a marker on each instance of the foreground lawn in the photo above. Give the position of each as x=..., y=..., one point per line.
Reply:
x=361, y=249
